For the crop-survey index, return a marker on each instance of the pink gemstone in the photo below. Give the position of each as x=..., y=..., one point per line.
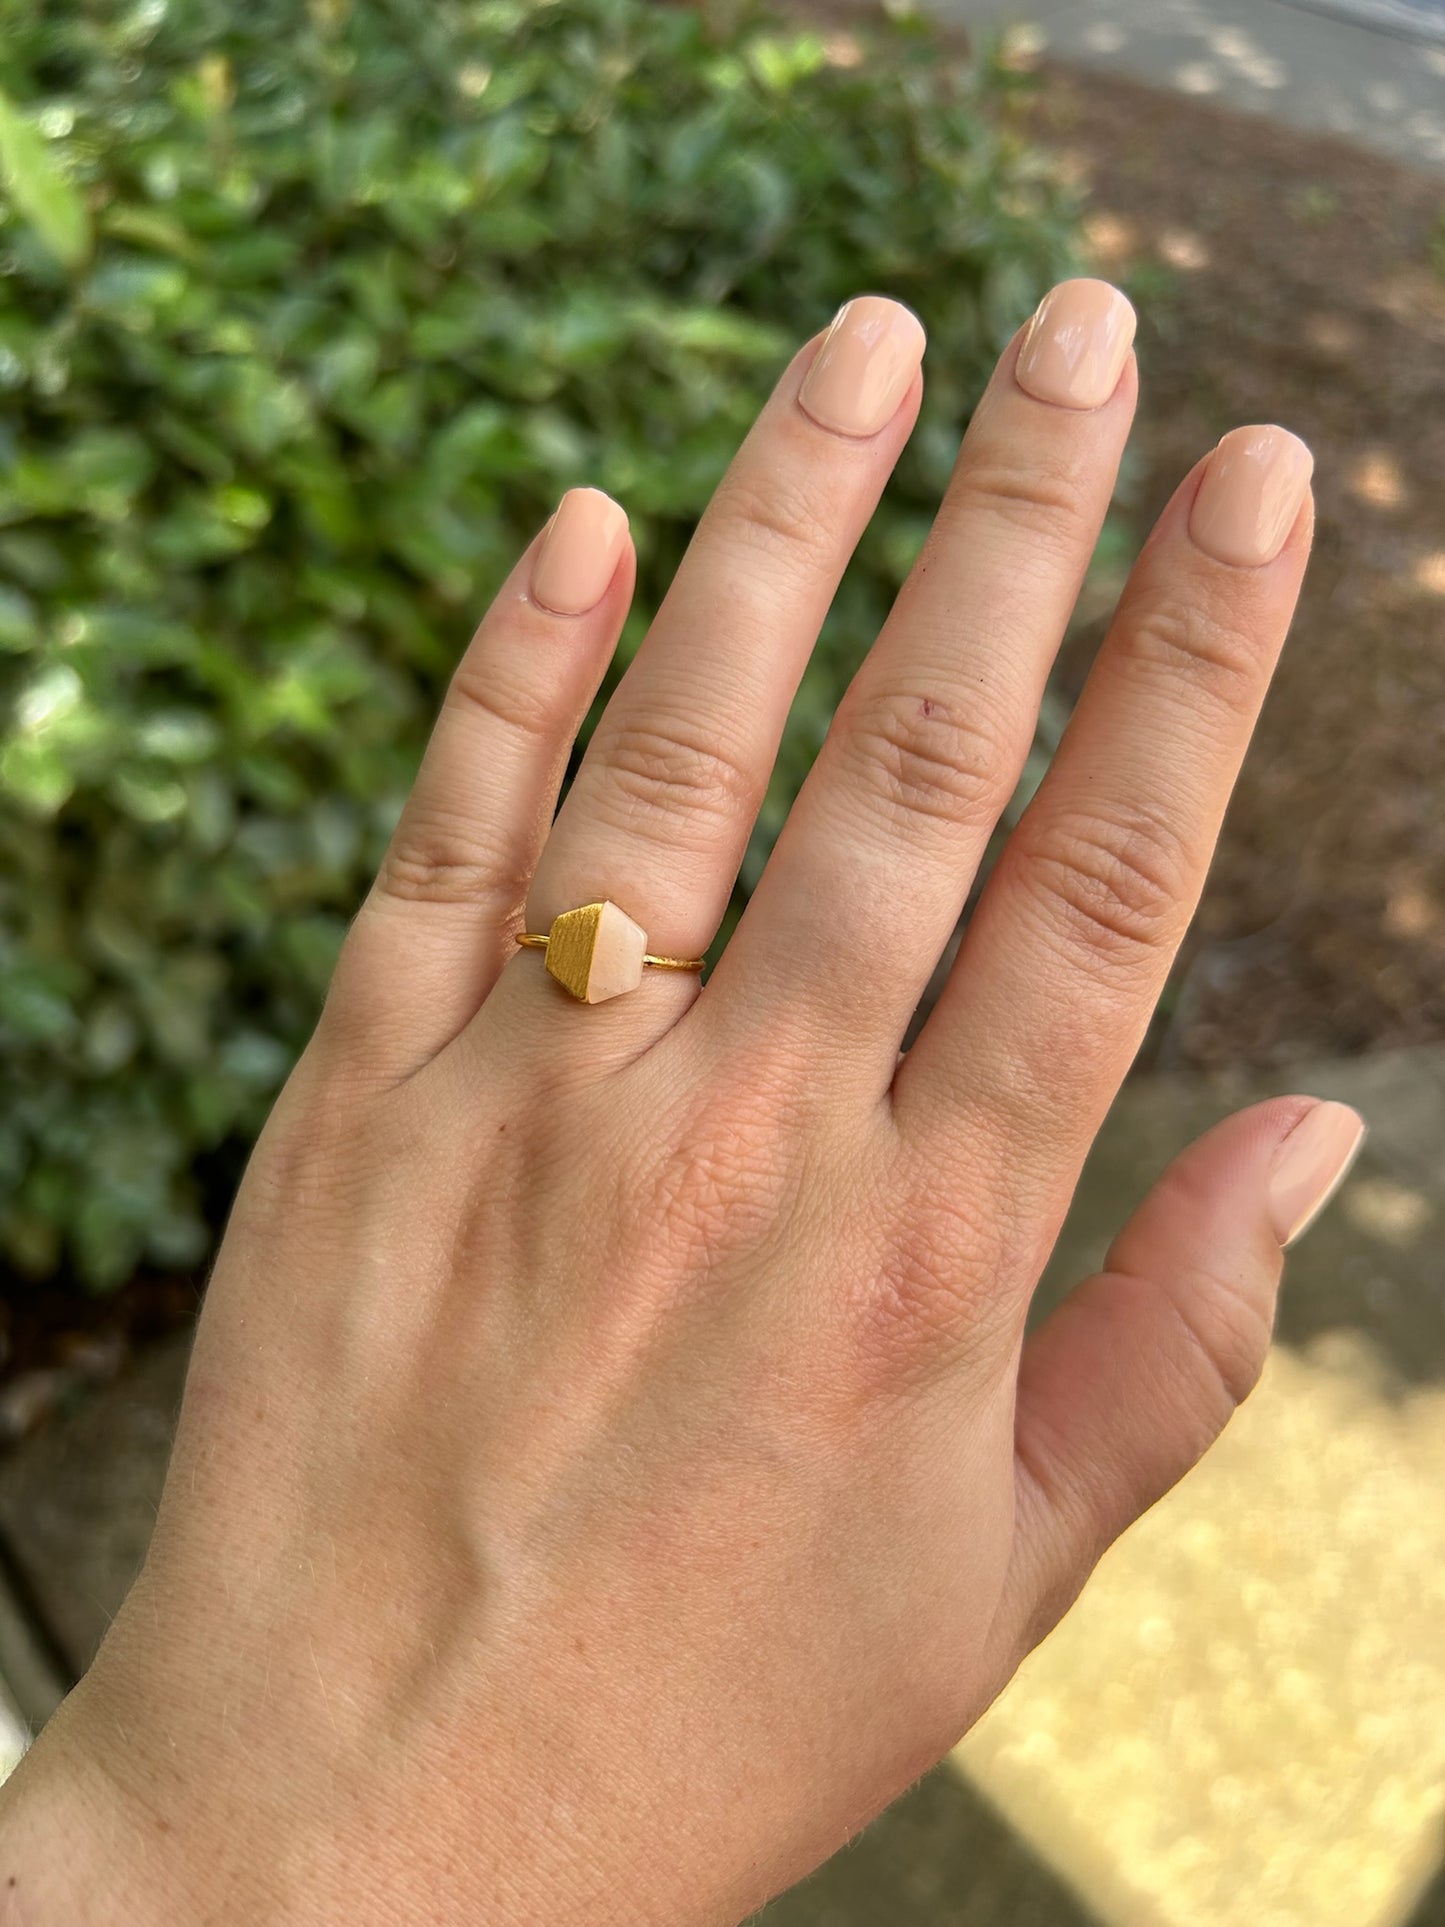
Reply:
x=617, y=953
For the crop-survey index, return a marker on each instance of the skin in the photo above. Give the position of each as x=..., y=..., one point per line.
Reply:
x=612, y=1465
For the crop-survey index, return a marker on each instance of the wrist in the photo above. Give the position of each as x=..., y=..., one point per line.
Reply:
x=66, y=1857
x=84, y=1842
x=131, y=1810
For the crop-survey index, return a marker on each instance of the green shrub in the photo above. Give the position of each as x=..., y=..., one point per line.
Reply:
x=307, y=315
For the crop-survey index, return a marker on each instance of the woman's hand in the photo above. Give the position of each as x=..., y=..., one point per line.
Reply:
x=612, y=1465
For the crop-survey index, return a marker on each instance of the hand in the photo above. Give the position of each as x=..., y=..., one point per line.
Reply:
x=612, y=1464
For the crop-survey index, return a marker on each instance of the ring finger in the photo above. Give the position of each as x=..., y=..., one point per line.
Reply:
x=663, y=804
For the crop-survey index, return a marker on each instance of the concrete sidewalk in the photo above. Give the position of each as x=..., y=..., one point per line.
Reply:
x=1375, y=76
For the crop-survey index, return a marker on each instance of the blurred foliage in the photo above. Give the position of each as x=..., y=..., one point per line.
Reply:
x=307, y=316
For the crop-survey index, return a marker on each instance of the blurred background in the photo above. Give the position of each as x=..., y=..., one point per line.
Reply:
x=309, y=310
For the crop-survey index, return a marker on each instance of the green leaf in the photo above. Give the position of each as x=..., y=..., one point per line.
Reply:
x=19, y=627
x=111, y=1035
x=104, y=469
x=135, y=289
x=39, y=188
x=130, y=637
x=148, y=794
x=370, y=286
x=34, y=1010
x=178, y=736
x=36, y=775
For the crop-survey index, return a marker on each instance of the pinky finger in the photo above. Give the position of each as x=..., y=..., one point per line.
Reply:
x=437, y=925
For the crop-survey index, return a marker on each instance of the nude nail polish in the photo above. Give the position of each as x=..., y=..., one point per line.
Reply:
x=1077, y=344
x=579, y=552
x=1310, y=1167
x=864, y=366
x=1252, y=491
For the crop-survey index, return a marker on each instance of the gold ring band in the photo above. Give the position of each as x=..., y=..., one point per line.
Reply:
x=597, y=951
x=535, y=941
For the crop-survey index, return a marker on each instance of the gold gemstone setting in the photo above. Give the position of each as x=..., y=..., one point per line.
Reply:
x=597, y=951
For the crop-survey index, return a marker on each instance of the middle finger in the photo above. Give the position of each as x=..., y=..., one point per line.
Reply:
x=663, y=804
x=875, y=862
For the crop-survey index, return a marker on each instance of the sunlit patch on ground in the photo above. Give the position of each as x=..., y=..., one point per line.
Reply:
x=1376, y=479
x=1242, y=1723
x=1111, y=238
x=12, y=1742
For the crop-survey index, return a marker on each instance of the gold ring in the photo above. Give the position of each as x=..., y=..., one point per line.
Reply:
x=597, y=952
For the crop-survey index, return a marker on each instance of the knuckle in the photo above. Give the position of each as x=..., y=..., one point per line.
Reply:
x=918, y=756
x=1217, y=655
x=438, y=859
x=315, y=1165
x=939, y=1290
x=1046, y=499
x=778, y=514
x=922, y=1280
x=1225, y=1315
x=665, y=778
x=520, y=709
x=1234, y=1335
x=1212, y=1351
x=1223, y=1341
x=1116, y=884
x=721, y=1186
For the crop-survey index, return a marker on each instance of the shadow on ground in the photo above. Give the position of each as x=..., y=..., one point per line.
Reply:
x=940, y=1857
x=1430, y=1908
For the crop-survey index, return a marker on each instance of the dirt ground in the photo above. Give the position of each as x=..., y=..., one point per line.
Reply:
x=1296, y=280
x=1278, y=278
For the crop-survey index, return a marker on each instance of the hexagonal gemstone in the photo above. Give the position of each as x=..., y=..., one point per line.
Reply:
x=596, y=952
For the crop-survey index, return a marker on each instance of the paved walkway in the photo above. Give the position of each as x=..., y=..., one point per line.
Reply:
x=1242, y=1723
x=1411, y=19
x=1372, y=70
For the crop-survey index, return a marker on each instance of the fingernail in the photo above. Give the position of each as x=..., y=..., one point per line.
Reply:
x=864, y=366
x=1077, y=344
x=579, y=552
x=1253, y=489
x=1310, y=1167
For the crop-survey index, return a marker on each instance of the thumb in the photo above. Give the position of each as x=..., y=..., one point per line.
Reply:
x=1126, y=1385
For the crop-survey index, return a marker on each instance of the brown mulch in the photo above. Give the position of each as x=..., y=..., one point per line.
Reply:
x=1282, y=278
x=56, y=1340
x=1278, y=278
